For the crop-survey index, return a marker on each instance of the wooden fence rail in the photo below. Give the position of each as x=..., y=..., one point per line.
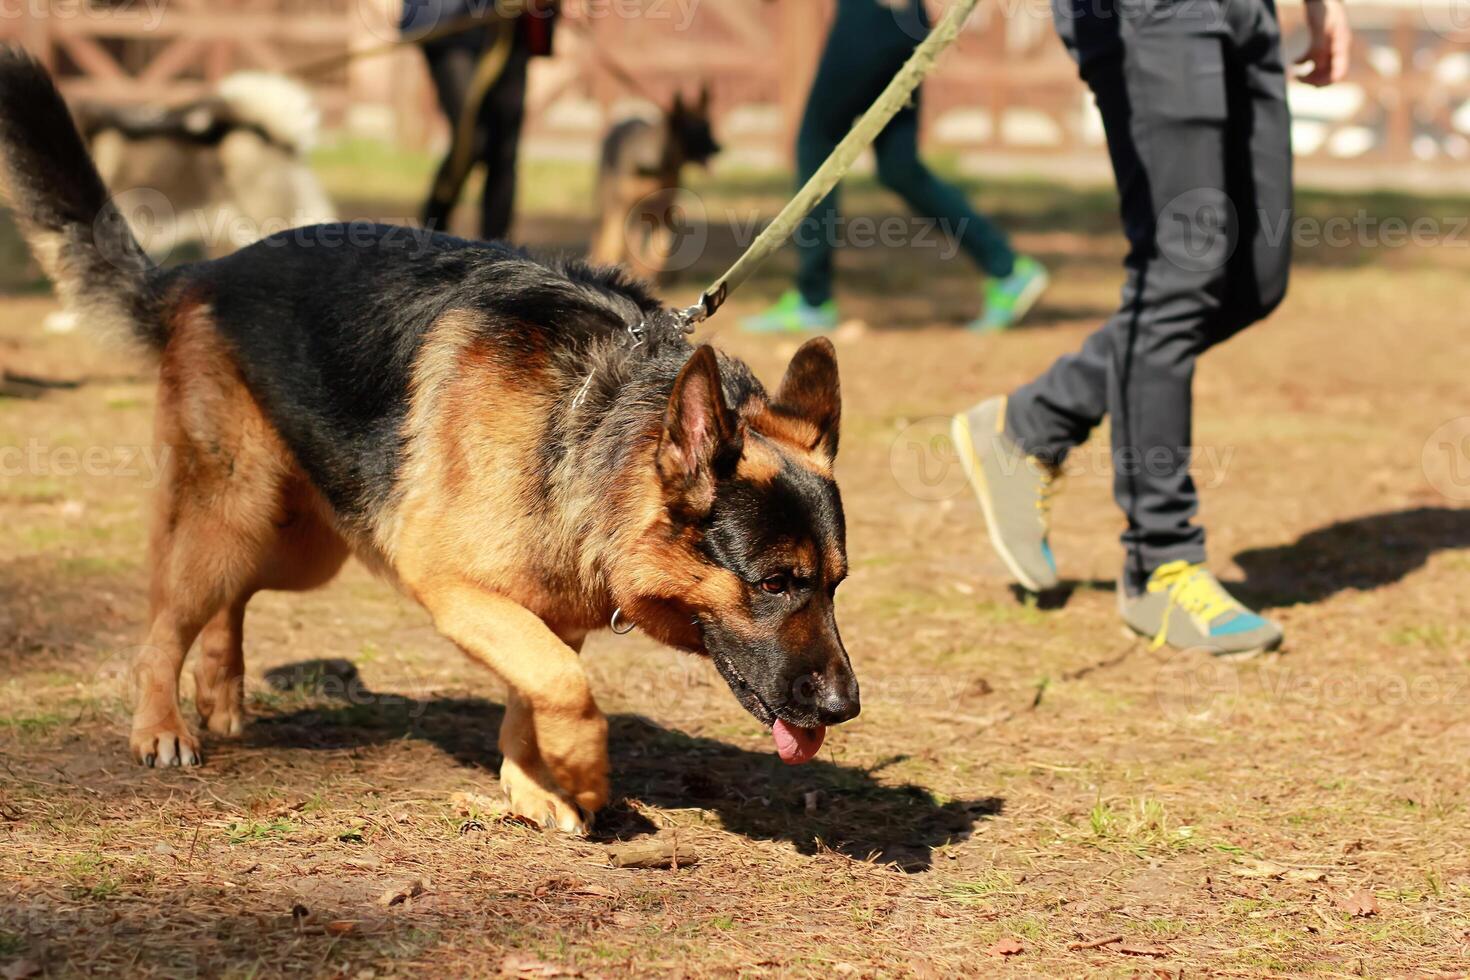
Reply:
x=1007, y=88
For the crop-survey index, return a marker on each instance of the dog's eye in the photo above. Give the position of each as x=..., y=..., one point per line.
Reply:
x=775, y=584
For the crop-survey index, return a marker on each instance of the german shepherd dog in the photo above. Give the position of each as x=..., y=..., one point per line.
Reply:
x=524, y=449
x=638, y=178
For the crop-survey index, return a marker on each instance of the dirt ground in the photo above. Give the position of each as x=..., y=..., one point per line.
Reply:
x=1026, y=792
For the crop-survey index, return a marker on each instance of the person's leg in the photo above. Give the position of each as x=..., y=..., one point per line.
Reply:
x=853, y=70
x=1053, y=414
x=814, y=236
x=1162, y=76
x=1174, y=76
x=1161, y=90
x=1215, y=151
x=1182, y=603
x=501, y=115
x=451, y=68
x=841, y=89
x=901, y=171
x=1057, y=411
x=1258, y=170
x=1012, y=448
x=1172, y=596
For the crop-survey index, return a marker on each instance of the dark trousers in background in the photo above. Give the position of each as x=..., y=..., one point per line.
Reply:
x=1193, y=99
x=497, y=134
x=868, y=43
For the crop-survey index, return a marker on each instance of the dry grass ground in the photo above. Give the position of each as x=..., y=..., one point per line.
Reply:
x=1022, y=777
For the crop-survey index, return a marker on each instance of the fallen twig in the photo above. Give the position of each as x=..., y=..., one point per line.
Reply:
x=1096, y=943
x=654, y=853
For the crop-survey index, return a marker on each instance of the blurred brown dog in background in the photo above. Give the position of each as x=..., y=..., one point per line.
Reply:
x=638, y=182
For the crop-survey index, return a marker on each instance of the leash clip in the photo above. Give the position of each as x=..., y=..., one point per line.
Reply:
x=692, y=316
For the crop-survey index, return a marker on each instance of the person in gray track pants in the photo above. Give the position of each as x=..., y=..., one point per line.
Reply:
x=1192, y=95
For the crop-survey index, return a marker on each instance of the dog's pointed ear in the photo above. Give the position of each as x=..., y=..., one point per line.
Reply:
x=677, y=108
x=703, y=104
x=701, y=434
x=810, y=391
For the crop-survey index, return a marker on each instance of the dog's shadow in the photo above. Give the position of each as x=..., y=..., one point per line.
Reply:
x=819, y=806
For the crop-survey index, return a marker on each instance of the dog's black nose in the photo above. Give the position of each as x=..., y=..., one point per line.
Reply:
x=830, y=697
x=838, y=700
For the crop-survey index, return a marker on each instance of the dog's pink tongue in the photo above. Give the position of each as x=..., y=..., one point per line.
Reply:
x=797, y=745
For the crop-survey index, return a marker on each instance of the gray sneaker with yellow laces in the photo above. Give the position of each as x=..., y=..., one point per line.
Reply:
x=1014, y=490
x=1184, y=606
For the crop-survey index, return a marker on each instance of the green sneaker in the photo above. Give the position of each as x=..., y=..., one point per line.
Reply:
x=1186, y=607
x=792, y=314
x=1015, y=492
x=1008, y=300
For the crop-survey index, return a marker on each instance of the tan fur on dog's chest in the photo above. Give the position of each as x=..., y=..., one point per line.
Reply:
x=473, y=497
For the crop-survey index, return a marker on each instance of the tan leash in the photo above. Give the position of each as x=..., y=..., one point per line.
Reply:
x=341, y=59
x=835, y=167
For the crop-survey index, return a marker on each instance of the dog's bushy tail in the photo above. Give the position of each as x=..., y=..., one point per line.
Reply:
x=75, y=230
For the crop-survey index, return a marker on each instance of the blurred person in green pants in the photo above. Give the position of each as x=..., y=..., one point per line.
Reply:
x=867, y=44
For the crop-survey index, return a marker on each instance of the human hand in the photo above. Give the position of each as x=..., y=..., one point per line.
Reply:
x=1331, y=41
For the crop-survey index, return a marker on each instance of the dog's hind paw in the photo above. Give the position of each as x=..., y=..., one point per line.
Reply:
x=223, y=713
x=219, y=691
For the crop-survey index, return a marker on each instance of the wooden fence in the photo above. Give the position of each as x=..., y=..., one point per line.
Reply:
x=1008, y=88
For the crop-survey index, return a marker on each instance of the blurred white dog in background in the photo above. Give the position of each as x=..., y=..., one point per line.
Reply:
x=224, y=170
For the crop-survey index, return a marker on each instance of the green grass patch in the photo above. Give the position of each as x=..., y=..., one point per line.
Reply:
x=977, y=891
x=1135, y=826
x=91, y=876
x=38, y=724
x=360, y=168
x=254, y=831
x=1427, y=636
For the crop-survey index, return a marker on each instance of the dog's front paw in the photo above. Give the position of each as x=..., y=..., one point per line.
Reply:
x=542, y=804
x=576, y=755
x=168, y=744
